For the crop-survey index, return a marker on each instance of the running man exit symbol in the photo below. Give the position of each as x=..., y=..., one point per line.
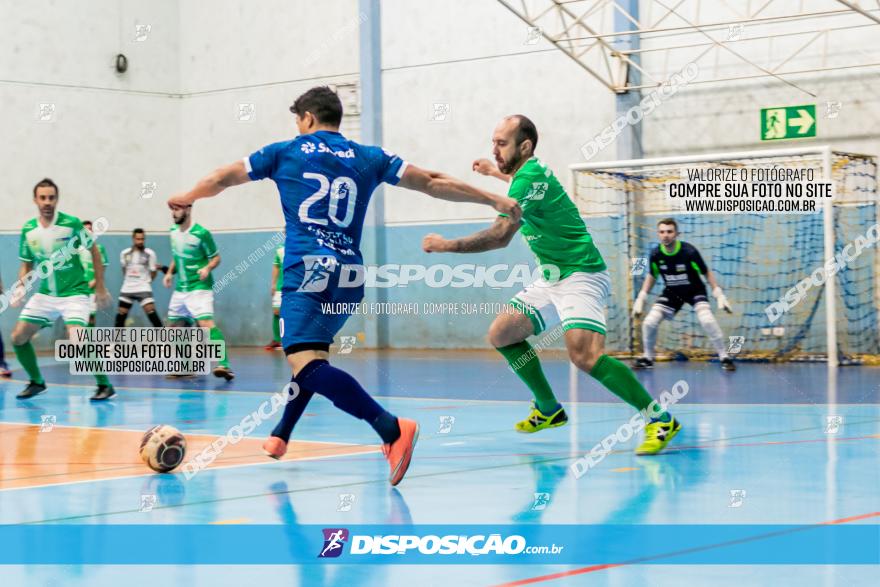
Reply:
x=788, y=122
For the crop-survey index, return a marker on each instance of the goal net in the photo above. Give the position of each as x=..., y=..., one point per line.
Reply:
x=757, y=257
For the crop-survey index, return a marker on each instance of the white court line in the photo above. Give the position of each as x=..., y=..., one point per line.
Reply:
x=144, y=431
x=145, y=389
x=431, y=399
x=269, y=461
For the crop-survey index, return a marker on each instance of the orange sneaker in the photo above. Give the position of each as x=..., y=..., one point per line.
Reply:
x=274, y=447
x=399, y=452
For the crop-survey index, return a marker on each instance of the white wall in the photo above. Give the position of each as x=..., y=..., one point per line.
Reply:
x=264, y=54
x=109, y=132
x=173, y=116
x=473, y=56
x=725, y=116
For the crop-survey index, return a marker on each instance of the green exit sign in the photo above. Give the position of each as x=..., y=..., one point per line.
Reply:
x=788, y=122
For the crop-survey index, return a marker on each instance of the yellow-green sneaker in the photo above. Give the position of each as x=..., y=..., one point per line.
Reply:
x=538, y=421
x=657, y=436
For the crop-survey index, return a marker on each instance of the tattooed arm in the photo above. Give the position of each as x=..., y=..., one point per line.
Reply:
x=496, y=236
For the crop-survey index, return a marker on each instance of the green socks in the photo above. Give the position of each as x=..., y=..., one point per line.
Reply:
x=27, y=356
x=621, y=381
x=523, y=359
x=217, y=335
x=617, y=377
x=276, y=328
x=100, y=378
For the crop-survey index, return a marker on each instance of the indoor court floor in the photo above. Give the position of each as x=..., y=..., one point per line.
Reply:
x=765, y=445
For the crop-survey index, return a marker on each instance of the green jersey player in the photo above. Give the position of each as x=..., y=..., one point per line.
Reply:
x=49, y=247
x=575, y=284
x=193, y=256
x=277, y=282
x=85, y=257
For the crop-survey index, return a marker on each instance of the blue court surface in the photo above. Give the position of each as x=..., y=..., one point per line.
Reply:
x=766, y=446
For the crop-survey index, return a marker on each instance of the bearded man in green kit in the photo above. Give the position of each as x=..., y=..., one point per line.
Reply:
x=573, y=290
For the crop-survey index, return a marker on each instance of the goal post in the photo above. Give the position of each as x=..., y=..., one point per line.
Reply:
x=758, y=257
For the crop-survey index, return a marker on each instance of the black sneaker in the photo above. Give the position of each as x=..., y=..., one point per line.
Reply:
x=31, y=390
x=224, y=372
x=643, y=363
x=727, y=364
x=103, y=392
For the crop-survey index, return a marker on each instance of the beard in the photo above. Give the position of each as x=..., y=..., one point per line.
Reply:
x=507, y=166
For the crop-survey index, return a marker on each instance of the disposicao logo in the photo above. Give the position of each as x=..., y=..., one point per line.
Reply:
x=334, y=540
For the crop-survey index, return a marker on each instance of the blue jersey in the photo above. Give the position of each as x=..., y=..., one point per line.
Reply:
x=325, y=182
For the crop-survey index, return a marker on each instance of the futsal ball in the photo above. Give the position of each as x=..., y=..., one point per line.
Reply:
x=163, y=448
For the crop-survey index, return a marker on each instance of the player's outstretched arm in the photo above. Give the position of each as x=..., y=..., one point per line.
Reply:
x=496, y=236
x=486, y=167
x=212, y=184
x=445, y=187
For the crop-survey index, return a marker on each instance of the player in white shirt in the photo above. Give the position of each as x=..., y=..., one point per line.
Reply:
x=139, y=268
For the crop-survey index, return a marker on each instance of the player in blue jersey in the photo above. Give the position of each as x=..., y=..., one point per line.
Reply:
x=325, y=182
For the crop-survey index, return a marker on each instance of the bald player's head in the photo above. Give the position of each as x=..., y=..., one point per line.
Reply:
x=514, y=142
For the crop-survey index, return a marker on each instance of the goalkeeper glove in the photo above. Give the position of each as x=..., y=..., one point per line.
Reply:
x=723, y=304
x=639, y=304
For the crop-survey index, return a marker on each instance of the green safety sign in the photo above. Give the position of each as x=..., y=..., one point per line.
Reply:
x=788, y=122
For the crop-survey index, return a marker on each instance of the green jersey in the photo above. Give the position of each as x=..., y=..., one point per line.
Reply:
x=279, y=262
x=192, y=250
x=54, y=253
x=551, y=224
x=85, y=258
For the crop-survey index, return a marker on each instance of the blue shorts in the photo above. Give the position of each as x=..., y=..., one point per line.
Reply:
x=315, y=316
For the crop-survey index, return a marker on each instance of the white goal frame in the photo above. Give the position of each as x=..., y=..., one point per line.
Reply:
x=824, y=152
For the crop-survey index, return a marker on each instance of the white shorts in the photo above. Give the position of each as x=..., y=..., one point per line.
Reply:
x=577, y=301
x=93, y=305
x=276, y=299
x=191, y=305
x=44, y=310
